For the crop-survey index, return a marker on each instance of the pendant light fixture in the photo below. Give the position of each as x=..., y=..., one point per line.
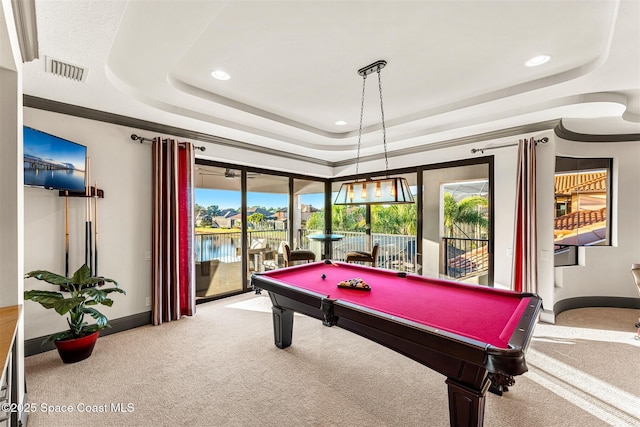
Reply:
x=377, y=191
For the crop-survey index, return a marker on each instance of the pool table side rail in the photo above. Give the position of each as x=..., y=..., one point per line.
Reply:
x=508, y=361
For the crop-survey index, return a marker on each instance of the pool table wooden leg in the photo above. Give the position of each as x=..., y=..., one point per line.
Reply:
x=282, y=326
x=466, y=405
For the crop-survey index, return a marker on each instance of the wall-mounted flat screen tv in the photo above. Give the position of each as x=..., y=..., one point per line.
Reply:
x=52, y=162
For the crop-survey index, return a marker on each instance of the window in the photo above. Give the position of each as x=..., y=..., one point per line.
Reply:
x=267, y=220
x=457, y=235
x=308, y=214
x=582, y=202
x=218, y=234
x=465, y=216
x=392, y=227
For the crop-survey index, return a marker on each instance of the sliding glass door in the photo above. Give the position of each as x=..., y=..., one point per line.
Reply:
x=308, y=215
x=457, y=223
x=268, y=220
x=218, y=234
x=244, y=214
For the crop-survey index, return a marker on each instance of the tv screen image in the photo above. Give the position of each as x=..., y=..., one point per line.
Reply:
x=52, y=162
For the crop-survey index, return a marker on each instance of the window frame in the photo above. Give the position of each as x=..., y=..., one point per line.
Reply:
x=568, y=164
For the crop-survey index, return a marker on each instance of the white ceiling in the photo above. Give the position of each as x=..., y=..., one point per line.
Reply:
x=455, y=68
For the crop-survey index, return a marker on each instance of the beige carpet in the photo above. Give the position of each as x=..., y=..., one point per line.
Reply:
x=220, y=368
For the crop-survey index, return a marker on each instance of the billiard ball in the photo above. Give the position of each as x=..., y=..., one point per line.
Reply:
x=323, y=277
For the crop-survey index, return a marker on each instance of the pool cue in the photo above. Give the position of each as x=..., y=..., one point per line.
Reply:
x=95, y=229
x=88, y=259
x=66, y=233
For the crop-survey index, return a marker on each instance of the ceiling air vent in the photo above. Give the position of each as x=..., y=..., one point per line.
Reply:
x=64, y=69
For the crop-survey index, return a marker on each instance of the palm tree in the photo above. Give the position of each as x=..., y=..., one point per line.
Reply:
x=464, y=212
x=350, y=218
x=394, y=219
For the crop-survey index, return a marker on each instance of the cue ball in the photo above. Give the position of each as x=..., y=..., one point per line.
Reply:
x=323, y=276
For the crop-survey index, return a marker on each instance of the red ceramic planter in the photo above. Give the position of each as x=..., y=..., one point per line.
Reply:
x=76, y=349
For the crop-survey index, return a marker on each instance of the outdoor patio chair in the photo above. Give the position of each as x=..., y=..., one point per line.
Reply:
x=296, y=255
x=364, y=256
x=273, y=259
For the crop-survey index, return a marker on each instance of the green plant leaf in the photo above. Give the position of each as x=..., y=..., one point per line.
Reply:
x=76, y=328
x=47, y=276
x=96, y=294
x=43, y=297
x=92, y=328
x=119, y=290
x=101, y=319
x=65, y=305
x=107, y=301
x=81, y=276
x=59, y=336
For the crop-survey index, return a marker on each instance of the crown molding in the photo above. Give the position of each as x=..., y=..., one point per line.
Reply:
x=117, y=119
x=562, y=132
x=487, y=136
x=102, y=116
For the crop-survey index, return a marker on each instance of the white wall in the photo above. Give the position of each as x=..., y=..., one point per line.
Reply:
x=122, y=168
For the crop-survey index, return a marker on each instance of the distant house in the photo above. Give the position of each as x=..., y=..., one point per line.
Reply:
x=305, y=211
x=270, y=218
x=226, y=219
x=281, y=214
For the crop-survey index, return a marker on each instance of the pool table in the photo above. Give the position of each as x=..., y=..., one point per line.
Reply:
x=474, y=335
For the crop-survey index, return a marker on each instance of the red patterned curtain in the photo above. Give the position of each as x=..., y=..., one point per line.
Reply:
x=525, y=262
x=172, y=237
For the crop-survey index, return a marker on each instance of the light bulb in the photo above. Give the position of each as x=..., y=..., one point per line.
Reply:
x=393, y=188
x=378, y=192
x=364, y=191
x=350, y=191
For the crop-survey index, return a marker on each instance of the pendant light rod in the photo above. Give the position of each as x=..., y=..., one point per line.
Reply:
x=363, y=72
x=382, y=190
x=372, y=68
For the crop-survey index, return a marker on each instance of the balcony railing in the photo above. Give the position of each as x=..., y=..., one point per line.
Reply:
x=465, y=257
x=226, y=246
x=396, y=252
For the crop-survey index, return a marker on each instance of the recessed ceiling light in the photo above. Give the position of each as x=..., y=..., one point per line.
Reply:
x=537, y=60
x=341, y=123
x=220, y=75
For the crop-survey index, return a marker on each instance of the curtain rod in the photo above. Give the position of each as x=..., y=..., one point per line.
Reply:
x=143, y=139
x=482, y=150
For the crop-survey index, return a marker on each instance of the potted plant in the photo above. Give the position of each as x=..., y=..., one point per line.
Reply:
x=85, y=292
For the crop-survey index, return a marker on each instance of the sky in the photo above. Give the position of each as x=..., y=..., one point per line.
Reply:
x=231, y=199
x=47, y=146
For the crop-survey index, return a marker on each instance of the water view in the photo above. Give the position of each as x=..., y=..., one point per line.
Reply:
x=60, y=179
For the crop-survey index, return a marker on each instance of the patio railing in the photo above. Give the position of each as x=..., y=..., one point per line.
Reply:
x=465, y=257
x=462, y=257
x=397, y=252
x=226, y=246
